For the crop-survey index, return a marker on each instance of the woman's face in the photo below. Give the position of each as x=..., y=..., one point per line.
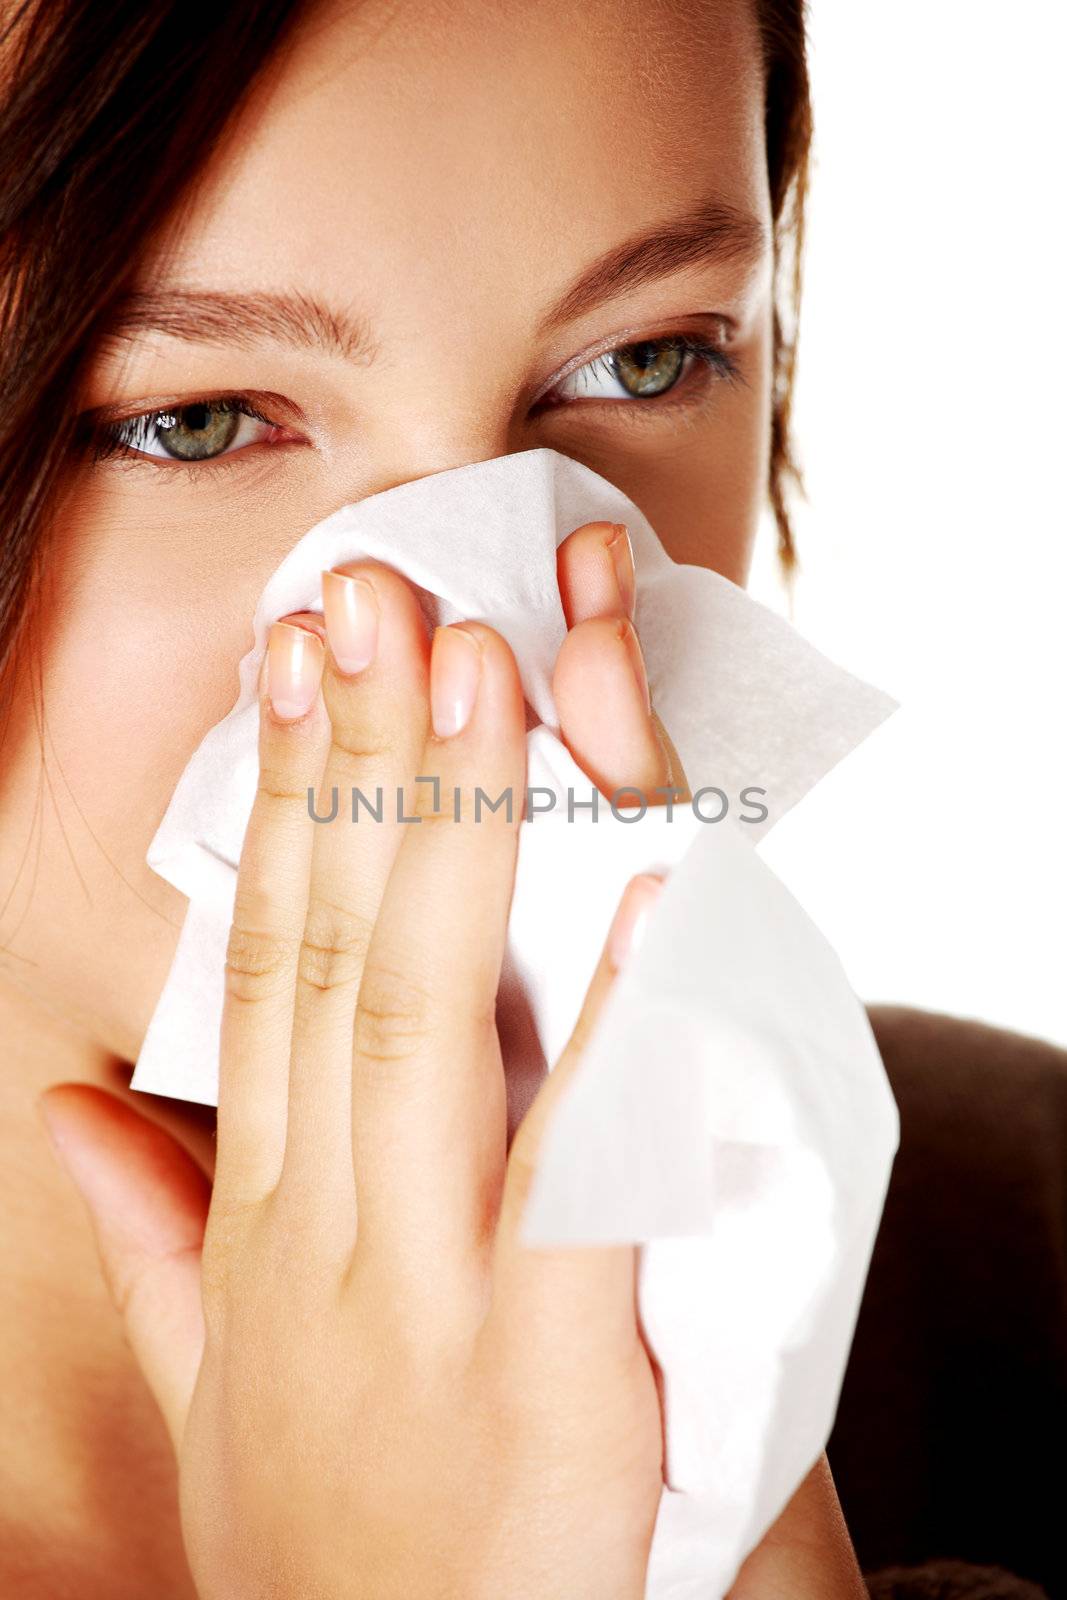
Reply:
x=415, y=251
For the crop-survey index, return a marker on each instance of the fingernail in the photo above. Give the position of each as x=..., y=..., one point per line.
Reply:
x=622, y=555
x=455, y=668
x=294, y=670
x=628, y=635
x=351, y=609
x=629, y=922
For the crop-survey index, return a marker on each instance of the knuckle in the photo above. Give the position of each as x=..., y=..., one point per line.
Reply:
x=256, y=961
x=334, y=947
x=392, y=1018
x=355, y=747
x=493, y=806
x=434, y=802
x=278, y=787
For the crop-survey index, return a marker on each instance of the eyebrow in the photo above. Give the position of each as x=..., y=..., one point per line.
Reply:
x=712, y=233
x=205, y=316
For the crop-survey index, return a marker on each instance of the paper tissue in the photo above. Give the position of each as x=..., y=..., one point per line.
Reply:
x=731, y=1115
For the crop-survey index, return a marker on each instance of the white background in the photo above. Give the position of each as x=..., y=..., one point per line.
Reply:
x=931, y=423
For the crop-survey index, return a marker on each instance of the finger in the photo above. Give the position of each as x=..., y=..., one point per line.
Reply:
x=589, y=1290
x=601, y=692
x=595, y=571
x=428, y=1110
x=270, y=907
x=677, y=778
x=148, y=1202
x=375, y=689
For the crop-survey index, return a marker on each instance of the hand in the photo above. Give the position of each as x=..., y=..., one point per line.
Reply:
x=373, y=1389
x=394, y=1397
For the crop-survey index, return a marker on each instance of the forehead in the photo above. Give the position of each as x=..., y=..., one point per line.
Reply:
x=472, y=140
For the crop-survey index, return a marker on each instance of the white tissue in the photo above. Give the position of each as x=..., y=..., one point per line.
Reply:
x=731, y=1113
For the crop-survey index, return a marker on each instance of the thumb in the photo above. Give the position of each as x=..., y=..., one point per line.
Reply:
x=148, y=1201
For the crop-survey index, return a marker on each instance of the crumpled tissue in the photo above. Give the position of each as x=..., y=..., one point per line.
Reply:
x=731, y=1114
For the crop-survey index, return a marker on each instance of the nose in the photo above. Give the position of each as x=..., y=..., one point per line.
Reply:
x=455, y=399
x=422, y=452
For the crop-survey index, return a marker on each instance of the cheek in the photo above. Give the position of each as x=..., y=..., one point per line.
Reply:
x=704, y=487
x=712, y=494
x=139, y=659
x=135, y=658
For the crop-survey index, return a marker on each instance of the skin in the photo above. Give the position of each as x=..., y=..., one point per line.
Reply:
x=558, y=134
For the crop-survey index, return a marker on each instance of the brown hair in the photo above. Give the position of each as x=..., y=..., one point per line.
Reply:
x=108, y=109
x=788, y=124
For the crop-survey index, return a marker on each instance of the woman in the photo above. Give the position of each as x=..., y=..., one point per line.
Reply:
x=259, y=264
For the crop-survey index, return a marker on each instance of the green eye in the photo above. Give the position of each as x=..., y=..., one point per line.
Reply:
x=195, y=433
x=199, y=431
x=644, y=370
x=649, y=368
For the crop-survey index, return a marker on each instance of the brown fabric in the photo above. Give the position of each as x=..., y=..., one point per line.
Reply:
x=950, y=1580
x=951, y=1433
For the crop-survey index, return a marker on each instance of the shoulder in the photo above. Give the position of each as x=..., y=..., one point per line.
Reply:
x=950, y=1580
x=974, y=1230
x=955, y=1075
x=906, y=1034
x=955, y=1397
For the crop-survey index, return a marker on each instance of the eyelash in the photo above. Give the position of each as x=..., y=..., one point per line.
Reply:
x=103, y=440
x=712, y=356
